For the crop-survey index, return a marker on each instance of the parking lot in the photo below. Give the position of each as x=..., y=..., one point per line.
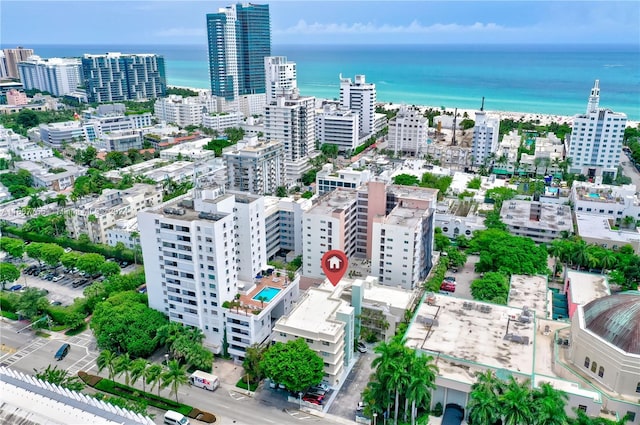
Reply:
x=346, y=401
x=464, y=276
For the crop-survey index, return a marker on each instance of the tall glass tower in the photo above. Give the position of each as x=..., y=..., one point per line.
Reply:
x=239, y=38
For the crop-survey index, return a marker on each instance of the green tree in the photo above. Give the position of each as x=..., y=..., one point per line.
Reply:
x=13, y=247
x=137, y=371
x=329, y=150
x=484, y=406
x=153, y=376
x=516, y=403
x=69, y=259
x=474, y=183
x=281, y=191
x=548, y=405
x=61, y=200
x=421, y=383
x=441, y=241
x=27, y=119
x=109, y=268
x=32, y=303
x=90, y=263
x=123, y=367
x=107, y=360
x=51, y=253
x=34, y=250
x=406, y=180
x=493, y=287
x=466, y=124
x=252, y=358
x=8, y=274
x=35, y=202
x=293, y=364
x=59, y=377
x=125, y=324
x=174, y=377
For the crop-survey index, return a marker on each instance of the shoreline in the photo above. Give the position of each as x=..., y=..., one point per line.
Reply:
x=545, y=119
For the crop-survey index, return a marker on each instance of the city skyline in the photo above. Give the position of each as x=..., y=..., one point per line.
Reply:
x=330, y=22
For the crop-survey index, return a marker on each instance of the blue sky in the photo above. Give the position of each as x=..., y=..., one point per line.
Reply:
x=326, y=22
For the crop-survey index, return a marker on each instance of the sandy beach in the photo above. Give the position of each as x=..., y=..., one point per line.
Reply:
x=544, y=119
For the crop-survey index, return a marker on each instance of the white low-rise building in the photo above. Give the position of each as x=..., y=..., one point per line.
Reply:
x=327, y=324
x=124, y=231
x=598, y=229
x=328, y=180
x=52, y=173
x=184, y=111
x=220, y=121
x=613, y=202
x=337, y=126
x=193, y=151
x=22, y=147
x=541, y=222
x=120, y=141
x=408, y=131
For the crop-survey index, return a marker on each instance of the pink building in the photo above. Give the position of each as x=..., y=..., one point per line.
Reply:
x=16, y=98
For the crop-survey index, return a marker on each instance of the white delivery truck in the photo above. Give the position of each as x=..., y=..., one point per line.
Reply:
x=204, y=380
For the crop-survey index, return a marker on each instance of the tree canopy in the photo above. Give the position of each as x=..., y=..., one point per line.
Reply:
x=502, y=252
x=8, y=273
x=124, y=324
x=492, y=287
x=293, y=364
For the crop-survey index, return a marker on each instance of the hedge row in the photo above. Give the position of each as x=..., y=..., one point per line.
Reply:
x=106, y=250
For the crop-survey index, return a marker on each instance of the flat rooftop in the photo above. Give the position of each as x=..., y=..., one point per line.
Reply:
x=376, y=294
x=482, y=334
x=401, y=216
x=586, y=287
x=315, y=312
x=598, y=227
x=530, y=292
x=338, y=199
x=422, y=193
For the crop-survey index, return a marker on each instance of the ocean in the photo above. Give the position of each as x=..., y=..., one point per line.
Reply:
x=536, y=79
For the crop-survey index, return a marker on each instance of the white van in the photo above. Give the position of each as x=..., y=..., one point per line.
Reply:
x=175, y=418
x=204, y=380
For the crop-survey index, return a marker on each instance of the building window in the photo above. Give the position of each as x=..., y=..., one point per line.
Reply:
x=638, y=388
x=594, y=367
x=631, y=416
x=587, y=362
x=582, y=407
x=601, y=372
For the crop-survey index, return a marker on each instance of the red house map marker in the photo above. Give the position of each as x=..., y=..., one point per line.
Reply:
x=334, y=265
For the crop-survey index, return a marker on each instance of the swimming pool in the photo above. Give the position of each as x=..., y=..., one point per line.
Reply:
x=594, y=195
x=552, y=189
x=267, y=293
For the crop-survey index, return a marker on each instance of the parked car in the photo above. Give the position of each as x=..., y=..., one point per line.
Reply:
x=68, y=249
x=361, y=405
x=448, y=286
x=450, y=279
x=322, y=386
x=361, y=347
x=314, y=399
x=62, y=352
x=58, y=278
x=15, y=288
x=56, y=303
x=318, y=392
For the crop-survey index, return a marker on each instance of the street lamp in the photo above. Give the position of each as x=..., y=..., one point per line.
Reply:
x=375, y=415
x=300, y=398
x=166, y=359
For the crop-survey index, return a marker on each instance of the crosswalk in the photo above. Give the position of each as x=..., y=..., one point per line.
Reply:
x=86, y=363
x=24, y=352
x=301, y=415
x=236, y=396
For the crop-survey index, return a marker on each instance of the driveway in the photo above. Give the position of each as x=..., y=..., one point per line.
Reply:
x=345, y=402
x=465, y=276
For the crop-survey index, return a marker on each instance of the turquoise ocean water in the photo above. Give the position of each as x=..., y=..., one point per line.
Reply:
x=542, y=79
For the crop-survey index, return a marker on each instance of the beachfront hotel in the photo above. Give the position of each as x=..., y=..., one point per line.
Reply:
x=239, y=39
x=115, y=77
x=485, y=137
x=58, y=76
x=360, y=97
x=595, y=142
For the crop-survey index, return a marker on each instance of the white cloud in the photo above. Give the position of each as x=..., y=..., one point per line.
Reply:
x=302, y=27
x=181, y=32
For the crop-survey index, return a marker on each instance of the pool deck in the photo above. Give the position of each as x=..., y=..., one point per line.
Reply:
x=247, y=301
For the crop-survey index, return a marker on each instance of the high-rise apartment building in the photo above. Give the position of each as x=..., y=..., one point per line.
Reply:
x=239, y=38
x=360, y=97
x=281, y=77
x=12, y=57
x=390, y=225
x=407, y=131
x=255, y=166
x=200, y=252
x=337, y=126
x=114, y=77
x=58, y=76
x=595, y=143
x=485, y=137
x=291, y=119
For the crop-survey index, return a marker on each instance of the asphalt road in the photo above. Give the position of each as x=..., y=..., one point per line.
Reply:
x=630, y=171
x=21, y=349
x=344, y=405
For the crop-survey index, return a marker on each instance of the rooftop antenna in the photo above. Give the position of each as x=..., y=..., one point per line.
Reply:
x=482, y=107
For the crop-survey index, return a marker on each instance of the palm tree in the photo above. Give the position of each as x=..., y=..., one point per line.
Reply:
x=536, y=163
x=169, y=333
x=483, y=404
x=107, y=360
x=386, y=365
x=153, y=376
x=516, y=403
x=607, y=260
x=174, y=376
x=548, y=405
x=579, y=254
x=422, y=381
x=35, y=202
x=137, y=369
x=629, y=221
x=61, y=200
x=123, y=366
